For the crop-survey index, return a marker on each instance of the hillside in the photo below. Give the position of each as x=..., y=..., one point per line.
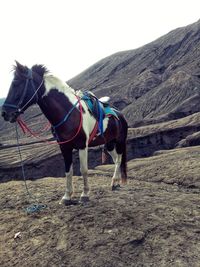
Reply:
x=2, y=101
x=152, y=221
x=142, y=142
x=157, y=82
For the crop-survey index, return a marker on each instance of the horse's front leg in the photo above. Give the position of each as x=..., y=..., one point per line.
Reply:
x=83, y=156
x=66, y=199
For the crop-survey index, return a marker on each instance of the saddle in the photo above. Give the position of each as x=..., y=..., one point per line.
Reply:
x=98, y=108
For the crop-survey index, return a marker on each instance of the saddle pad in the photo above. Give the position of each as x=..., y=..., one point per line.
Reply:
x=98, y=109
x=110, y=112
x=107, y=110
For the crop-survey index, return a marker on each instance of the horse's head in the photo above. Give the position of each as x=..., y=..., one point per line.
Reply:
x=23, y=92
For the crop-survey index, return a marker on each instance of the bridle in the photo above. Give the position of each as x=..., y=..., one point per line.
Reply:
x=29, y=78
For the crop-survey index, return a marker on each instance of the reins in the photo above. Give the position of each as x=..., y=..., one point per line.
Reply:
x=34, y=207
x=26, y=129
x=35, y=94
x=80, y=124
x=38, y=207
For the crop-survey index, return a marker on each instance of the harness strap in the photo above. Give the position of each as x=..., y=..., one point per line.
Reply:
x=29, y=77
x=100, y=117
x=93, y=133
x=25, y=128
x=10, y=105
x=80, y=124
x=66, y=116
x=24, y=92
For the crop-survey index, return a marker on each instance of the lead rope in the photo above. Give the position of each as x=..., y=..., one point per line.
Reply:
x=34, y=207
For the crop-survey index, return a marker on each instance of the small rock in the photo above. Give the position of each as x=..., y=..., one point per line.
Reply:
x=17, y=235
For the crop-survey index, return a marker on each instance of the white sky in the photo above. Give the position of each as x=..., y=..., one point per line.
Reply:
x=68, y=36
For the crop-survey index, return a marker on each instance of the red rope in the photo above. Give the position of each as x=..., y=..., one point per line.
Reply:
x=93, y=133
x=80, y=124
x=26, y=129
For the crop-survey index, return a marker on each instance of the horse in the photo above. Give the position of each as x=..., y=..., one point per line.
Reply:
x=72, y=122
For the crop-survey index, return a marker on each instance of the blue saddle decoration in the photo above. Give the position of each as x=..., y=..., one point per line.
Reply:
x=98, y=109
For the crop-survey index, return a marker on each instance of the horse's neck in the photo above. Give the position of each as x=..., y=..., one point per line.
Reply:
x=57, y=95
x=52, y=82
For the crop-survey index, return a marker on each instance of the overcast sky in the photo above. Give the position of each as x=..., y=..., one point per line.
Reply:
x=68, y=36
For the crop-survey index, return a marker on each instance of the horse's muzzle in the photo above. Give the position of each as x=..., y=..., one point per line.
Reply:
x=10, y=116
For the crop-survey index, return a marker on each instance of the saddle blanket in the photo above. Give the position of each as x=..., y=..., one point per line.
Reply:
x=92, y=105
x=98, y=109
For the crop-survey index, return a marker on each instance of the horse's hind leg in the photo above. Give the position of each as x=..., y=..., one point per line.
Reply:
x=115, y=183
x=83, y=156
x=121, y=150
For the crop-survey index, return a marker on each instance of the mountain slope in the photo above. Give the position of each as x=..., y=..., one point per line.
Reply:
x=2, y=101
x=152, y=81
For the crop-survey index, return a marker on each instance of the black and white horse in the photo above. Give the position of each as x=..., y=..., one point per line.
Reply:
x=73, y=122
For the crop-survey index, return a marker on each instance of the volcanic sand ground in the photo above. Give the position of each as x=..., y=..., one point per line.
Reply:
x=152, y=221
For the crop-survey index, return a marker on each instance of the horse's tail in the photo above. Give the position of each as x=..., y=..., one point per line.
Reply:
x=123, y=165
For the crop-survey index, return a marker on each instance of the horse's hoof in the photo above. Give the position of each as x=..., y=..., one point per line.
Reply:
x=84, y=199
x=116, y=187
x=69, y=202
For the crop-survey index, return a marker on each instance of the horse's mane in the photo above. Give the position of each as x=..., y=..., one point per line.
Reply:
x=22, y=70
x=40, y=69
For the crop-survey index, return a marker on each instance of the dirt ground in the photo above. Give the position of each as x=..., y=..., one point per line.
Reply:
x=149, y=222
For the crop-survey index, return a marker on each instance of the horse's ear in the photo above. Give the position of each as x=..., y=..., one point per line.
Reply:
x=20, y=68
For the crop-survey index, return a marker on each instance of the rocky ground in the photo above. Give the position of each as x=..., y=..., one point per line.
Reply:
x=152, y=221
